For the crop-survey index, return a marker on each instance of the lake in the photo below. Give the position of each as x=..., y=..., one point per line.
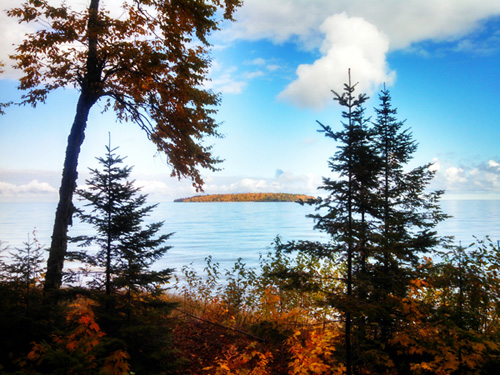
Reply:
x=239, y=229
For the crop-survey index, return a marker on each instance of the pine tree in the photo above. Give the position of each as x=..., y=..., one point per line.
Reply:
x=127, y=250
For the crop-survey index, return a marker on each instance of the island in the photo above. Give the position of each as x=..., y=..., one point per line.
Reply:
x=247, y=197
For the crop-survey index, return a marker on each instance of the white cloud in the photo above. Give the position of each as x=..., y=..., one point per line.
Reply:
x=404, y=22
x=479, y=179
x=30, y=191
x=454, y=175
x=436, y=165
x=226, y=82
x=282, y=182
x=252, y=75
x=349, y=43
x=493, y=164
x=12, y=32
x=356, y=34
x=257, y=61
x=273, y=67
x=348, y=33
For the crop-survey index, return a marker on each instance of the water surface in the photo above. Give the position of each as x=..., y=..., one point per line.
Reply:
x=228, y=231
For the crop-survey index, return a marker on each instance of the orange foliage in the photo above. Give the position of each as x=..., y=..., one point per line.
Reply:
x=249, y=361
x=438, y=346
x=312, y=353
x=80, y=344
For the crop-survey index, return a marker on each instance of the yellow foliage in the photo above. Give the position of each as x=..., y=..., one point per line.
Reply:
x=312, y=353
x=250, y=361
x=445, y=346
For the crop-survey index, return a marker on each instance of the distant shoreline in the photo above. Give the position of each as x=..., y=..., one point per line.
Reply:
x=247, y=197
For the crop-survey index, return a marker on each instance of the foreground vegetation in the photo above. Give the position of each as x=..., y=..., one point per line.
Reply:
x=253, y=321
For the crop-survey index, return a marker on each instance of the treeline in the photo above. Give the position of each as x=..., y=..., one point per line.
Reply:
x=247, y=197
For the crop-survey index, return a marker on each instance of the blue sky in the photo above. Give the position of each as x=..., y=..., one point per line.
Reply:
x=275, y=68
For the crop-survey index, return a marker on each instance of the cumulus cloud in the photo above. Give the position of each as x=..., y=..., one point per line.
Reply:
x=435, y=165
x=455, y=175
x=32, y=190
x=480, y=178
x=356, y=34
x=493, y=164
x=349, y=43
x=404, y=22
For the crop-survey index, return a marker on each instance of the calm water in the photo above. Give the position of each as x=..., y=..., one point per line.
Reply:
x=231, y=230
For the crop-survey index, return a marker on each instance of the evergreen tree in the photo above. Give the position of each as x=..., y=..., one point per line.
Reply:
x=147, y=65
x=24, y=268
x=347, y=203
x=405, y=213
x=380, y=219
x=127, y=250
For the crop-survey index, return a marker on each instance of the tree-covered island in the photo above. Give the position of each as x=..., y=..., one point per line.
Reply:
x=247, y=197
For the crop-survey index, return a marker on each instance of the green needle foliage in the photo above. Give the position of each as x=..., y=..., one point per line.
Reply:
x=405, y=214
x=346, y=203
x=380, y=219
x=116, y=210
x=24, y=267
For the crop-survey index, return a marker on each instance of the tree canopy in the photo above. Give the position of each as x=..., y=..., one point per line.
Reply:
x=148, y=65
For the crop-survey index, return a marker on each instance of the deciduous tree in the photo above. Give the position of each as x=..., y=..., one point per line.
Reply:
x=148, y=65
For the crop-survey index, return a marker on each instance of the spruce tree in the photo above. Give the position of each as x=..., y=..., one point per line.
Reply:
x=117, y=210
x=405, y=212
x=347, y=203
x=380, y=219
x=24, y=266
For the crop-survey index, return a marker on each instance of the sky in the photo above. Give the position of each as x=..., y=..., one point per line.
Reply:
x=275, y=68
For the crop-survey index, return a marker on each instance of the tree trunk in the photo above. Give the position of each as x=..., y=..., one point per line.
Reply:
x=350, y=238
x=64, y=211
x=90, y=92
